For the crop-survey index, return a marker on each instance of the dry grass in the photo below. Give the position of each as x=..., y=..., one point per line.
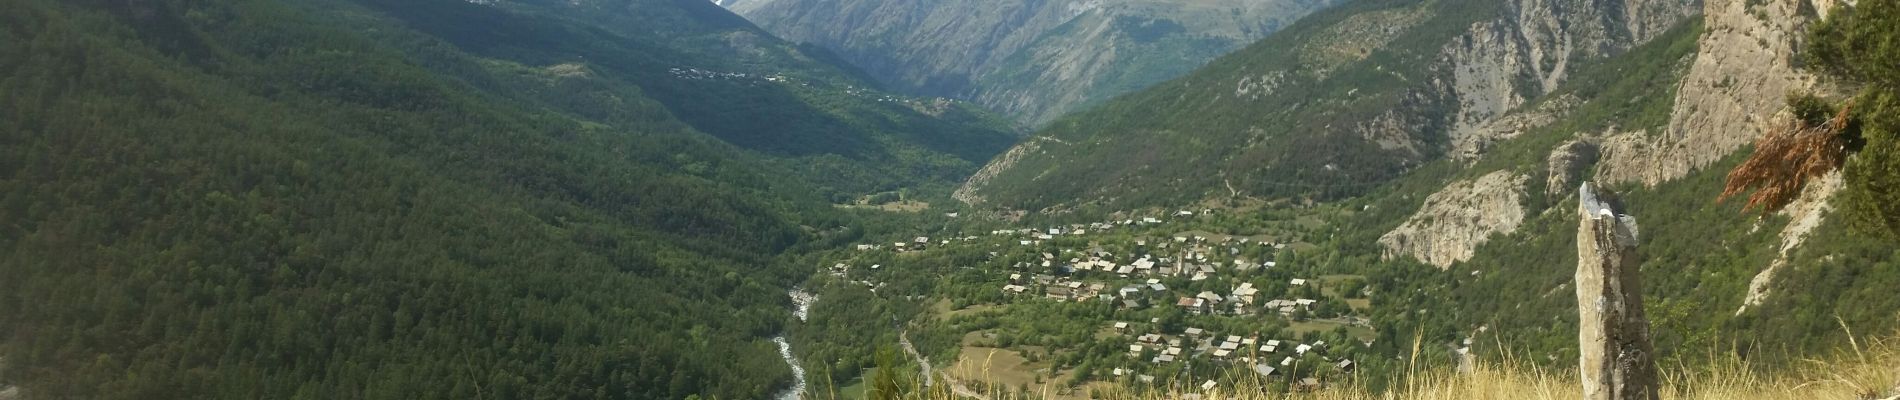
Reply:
x=1864, y=371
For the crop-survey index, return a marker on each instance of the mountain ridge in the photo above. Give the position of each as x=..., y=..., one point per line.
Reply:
x=1031, y=59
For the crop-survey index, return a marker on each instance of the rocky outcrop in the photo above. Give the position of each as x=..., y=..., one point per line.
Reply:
x=1744, y=69
x=1566, y=164
x=1452, y=223
x=1616, y=360
x=1471, y=145
x=968, y=192
x=1497, y=65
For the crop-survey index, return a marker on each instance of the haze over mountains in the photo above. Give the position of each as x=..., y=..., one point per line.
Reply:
x=1034, y=60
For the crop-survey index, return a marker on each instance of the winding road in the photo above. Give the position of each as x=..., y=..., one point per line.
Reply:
x=961, y=390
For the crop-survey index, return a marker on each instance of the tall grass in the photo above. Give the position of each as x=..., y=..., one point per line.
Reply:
x=1865, y=370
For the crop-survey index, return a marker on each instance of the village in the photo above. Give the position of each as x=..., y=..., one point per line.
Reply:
x=696, y=74
x=1174, y=299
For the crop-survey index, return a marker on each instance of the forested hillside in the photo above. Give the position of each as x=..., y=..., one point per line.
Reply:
x=430, y=199
x=711, y=70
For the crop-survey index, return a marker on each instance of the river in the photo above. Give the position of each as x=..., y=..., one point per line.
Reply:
x=801, y=302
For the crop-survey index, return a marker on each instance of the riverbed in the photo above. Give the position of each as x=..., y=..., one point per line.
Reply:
x=801, y=308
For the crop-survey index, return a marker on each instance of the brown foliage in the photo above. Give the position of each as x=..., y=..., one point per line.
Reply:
x=1786, y=158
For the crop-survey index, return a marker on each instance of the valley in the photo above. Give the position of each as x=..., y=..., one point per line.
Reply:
x=907, y=199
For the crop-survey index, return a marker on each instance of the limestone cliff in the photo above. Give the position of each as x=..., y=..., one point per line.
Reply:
x=1744, y=69
x=1454, y=221
x=1498, y=65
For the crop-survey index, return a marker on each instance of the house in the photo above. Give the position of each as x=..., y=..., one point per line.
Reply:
x=1135, y=349
x=1222, y=353
x=1191, y=304
x=1208, y=386
x=1302, y=349
x=1164, y=358
x=1267, y=348
x=1210, y=297
x=1193, y=331
x=1229, y=346
x=1245, y=292
x=1131, y=304
x=1121, y=325
x=1297, y=282
x=865, y=247
x=1233, y=338
x=1309, y=384
x=1014, y=289
x=1345, y=365
x=1286, y=362
x=1261, y=369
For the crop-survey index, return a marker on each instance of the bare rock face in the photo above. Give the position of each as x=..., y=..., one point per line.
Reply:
x=1566, y=165
x=1616, y=359
x=1804, y=214
x=1454, y=221
x=1471, y=145
x=967, y=193
x=1497, y=63
x=1741, y=75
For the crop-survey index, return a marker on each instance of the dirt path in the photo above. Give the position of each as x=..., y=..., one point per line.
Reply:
x=903, y=339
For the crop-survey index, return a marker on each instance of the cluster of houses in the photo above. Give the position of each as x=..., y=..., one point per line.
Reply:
x=706, y=75
x=1266, y=357
x=1242, y=300
x=1135, y=280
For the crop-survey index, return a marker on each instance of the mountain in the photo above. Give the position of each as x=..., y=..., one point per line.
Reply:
x=1032, y=59
x=1337, y=103
x=426, y=199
